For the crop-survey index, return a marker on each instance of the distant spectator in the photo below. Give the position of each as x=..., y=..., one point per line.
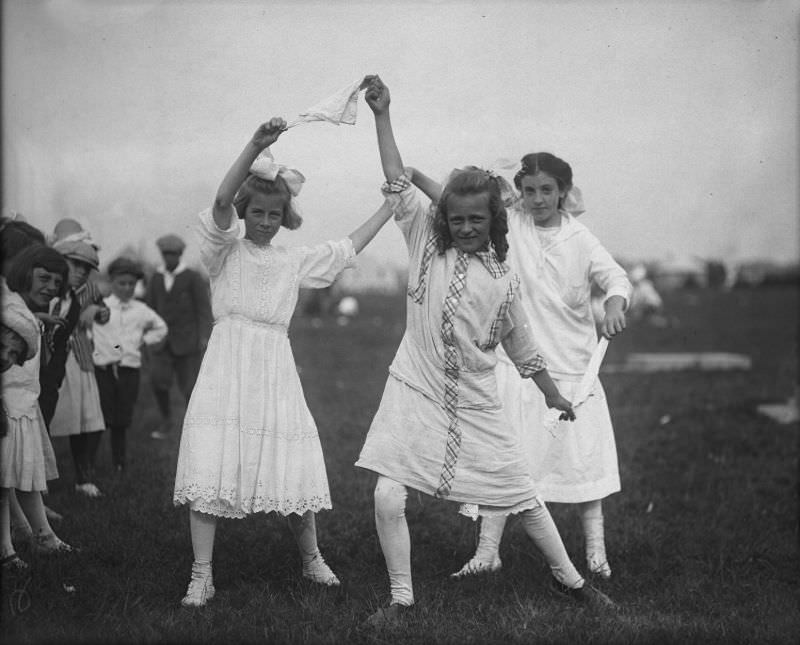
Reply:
x=78, y=414
x=117, y=355
x=181, y=296
x=27, y=461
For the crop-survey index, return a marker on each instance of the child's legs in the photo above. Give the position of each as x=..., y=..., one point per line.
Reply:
x=390, y=521
x=304, y=529
x=542, y=530
x=186, y=369
x=203, y=528
x=77, y=445
x=592, y=521
x=118, y=445
x=161, y=369
x=18, y=519
x=489, y=540
x=92, y=443
x=6, y=545
x=126, y=393
x=33, y=507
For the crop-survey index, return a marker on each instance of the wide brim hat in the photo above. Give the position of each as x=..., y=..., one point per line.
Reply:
x=79, y=250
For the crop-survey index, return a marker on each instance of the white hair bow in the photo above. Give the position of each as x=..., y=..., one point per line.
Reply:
x=265, y=167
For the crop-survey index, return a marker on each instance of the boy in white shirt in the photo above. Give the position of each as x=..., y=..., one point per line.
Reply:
x=117, y=356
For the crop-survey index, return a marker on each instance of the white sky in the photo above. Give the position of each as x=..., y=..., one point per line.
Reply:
x=678, y=118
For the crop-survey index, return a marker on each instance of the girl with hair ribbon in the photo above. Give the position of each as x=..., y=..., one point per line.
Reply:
x=249, y=443
x=558, y=261
x=440, y=427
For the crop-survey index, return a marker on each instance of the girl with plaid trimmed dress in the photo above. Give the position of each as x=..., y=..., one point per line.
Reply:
x=249, y=443
x=440, y=427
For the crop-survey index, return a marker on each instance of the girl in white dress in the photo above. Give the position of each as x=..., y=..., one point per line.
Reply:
x=249, y=443
x=78, y=414
x=440, y=427
x=558, y=261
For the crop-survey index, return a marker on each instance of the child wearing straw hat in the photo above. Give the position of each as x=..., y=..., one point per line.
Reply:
x=78, y=414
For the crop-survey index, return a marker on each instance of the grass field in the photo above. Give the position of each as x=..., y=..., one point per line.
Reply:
x=703, y=538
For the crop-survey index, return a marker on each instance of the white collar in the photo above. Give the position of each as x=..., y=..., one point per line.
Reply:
x=178, y=269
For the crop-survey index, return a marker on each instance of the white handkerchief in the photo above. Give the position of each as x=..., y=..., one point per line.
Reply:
x=337, y=109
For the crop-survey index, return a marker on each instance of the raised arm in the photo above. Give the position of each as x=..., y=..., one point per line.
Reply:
x=378, y=99
x=433, y=189
x=364, y=233
x=265, y=136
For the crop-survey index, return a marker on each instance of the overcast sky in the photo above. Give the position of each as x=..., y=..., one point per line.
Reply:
x=679, y=118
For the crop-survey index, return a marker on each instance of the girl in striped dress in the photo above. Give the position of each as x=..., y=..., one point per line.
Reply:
x=78, y=414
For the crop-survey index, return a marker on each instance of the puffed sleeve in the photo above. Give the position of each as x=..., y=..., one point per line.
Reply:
x=321, y=264
x=412, y=214
x=519, y=344
x=608, y=275
x=216, y=243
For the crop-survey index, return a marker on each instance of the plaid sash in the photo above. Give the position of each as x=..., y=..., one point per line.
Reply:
x=454, y=293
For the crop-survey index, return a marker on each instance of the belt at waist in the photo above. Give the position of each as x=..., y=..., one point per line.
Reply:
x=277, y=327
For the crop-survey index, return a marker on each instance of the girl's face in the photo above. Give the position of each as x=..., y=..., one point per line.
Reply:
x=45, y=285
x=263, y=217
x=469, y=221
x=12, y=349
x=78, y=272
x=540, y=198
x=123, y=285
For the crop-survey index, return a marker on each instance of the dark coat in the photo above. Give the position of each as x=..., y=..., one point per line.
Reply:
x=186, y=309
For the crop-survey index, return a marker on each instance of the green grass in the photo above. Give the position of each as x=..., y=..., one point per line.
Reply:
x=702, y=538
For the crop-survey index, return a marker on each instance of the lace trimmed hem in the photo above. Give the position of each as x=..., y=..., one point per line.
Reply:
x=211, y=501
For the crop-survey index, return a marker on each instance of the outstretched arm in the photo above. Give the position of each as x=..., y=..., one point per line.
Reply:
x=432, y=188
x=265, y=136
x=378, y=99
x=364, y=233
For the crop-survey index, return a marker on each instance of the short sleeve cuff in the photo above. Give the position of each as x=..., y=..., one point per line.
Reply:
x=397, y=185
x=530, y=368
x=622, y=293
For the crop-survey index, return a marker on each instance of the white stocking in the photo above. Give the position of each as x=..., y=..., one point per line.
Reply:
x=489, y=541
x=592, y=521
x=542, y=530
x=390, y=521
x=203, y=527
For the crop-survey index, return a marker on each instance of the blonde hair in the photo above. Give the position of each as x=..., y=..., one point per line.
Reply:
x=253, y=185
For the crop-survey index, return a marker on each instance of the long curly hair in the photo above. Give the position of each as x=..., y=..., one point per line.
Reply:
x=472, y=180
x=252, y=185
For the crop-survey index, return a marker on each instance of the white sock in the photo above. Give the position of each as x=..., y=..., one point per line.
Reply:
x=489, y=541
x=304, y=529
x=594, y=534
x=203, y=528
x=390, y=521
x=542, y=530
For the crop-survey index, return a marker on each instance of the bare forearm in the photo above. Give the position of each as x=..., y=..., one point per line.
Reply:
x=231, y=182
x=433, y=189
x=364, y=233
x=545, y=383
x=390, y=155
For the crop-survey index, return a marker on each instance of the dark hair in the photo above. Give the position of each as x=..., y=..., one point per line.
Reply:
x=125, y=265
x=36, y=256
x=473, y=181
x=537, y=162
x=253, y=185
x=16, y=235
